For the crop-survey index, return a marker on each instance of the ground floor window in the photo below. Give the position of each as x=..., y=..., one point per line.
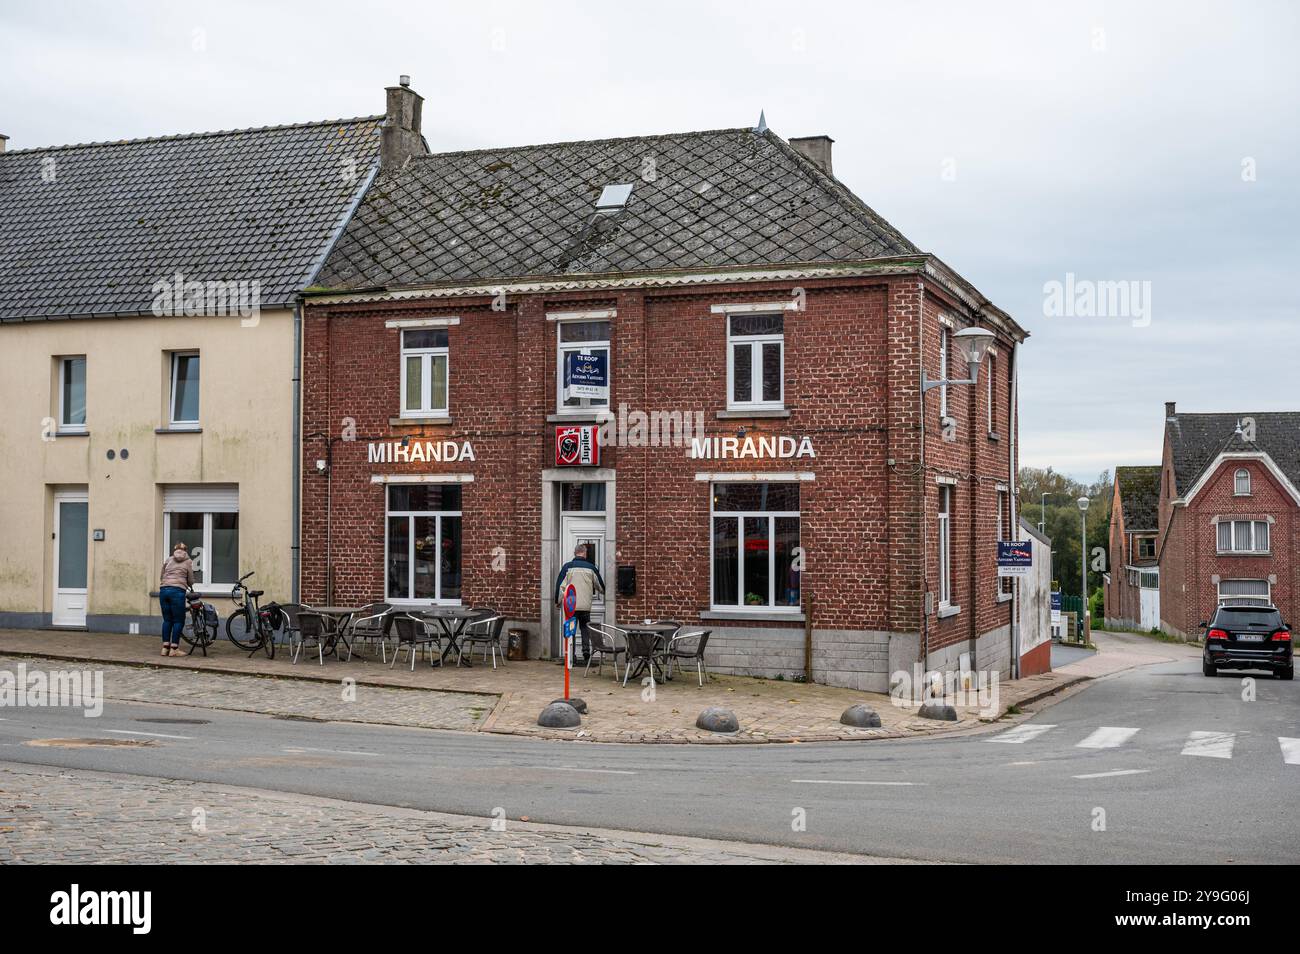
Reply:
x=945, y=546
x=756, y=558
x=206, y=519
x=424, y=543
x=1244, y=592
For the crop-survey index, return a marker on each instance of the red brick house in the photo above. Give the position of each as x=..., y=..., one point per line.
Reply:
x=699, y=354
x=1229, y=514
x=1132, y=589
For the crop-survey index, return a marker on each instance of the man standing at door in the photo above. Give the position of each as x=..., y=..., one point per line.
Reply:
x=585, y=579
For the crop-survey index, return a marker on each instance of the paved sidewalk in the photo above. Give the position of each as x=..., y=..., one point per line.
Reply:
x=509, y=699
x=53, y=816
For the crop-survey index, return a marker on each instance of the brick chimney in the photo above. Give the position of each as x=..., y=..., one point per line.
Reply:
x=1169, y=410
x=3, y=141
x=816, y=148
x=400, y=138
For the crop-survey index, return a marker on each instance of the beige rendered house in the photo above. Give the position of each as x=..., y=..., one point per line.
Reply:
x=149, y=329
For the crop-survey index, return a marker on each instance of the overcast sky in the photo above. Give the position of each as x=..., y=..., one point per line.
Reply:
x=1018, y=142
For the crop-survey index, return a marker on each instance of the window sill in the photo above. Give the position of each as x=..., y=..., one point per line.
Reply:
x=1004, y=597
x=763, y=614
x=1243, y=553
x=444, y=419
x=994, y=436
x=82, y=433
x=946, y=611
x=597, y=416
x=179, y=429
x=733, y=413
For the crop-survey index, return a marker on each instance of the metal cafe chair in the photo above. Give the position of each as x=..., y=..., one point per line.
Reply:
x=368, y=625
x=689, y=646
x=412, y=633
x=289, y=615
x=644, y=648
x=485, y=632
x=605, y=640
x=314, y=627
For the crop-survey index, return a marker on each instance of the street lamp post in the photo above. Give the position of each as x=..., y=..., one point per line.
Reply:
x=1083, y=561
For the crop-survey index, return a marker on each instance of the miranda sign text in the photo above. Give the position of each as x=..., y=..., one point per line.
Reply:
x=719, y=448
x=418, y=452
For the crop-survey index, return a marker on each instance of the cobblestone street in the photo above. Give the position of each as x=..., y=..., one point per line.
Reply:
x=52, y=816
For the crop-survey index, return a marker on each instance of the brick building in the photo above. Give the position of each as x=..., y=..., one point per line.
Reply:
x=1229, y=514
x=1133, y=585
x=698, y=353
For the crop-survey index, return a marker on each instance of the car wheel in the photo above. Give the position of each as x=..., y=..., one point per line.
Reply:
x=1207, y=669
x=1288, y=673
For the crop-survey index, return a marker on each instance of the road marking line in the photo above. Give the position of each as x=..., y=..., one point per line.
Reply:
x=1107, y=737
x=151, y=735
x=1112, y=774
x=836, y=781
x=296, y=751
x=1213, y=745
x=1021, y=733
x=569, y=768
x=1290, y=750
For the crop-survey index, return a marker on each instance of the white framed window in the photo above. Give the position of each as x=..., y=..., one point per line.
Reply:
x=756, y=361
x=1146, y=548
x=425, y=370
x=1241, y=483
x=1005, y=583
x=945, y=546
x=206, y=519
x=184, y=402
x=1245, y=592
x=575, y=339
x=991, y=373
x=72, y=394
x=943, y=372
x=755, y=555
x=1243, y=536
x=423, y=544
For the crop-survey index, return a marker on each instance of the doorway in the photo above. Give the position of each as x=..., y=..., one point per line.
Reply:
x=71, y=558
x=578, y=507
x=586, y=530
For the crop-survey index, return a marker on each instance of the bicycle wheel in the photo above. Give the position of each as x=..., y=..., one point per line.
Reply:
x=195, y=631
x=239, y=632
x=268, y=641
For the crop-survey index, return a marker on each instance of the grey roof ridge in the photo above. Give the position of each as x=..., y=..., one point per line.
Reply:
x=189, y=135
x=493, y=150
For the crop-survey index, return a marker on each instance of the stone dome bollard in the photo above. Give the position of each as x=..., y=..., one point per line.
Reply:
x=717, y=719
x=936, y=710
x=860, y=717
x=576, y=701
x=559, y=715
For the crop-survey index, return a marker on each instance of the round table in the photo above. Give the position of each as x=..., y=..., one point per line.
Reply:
x=661, y=632
x=445, y=616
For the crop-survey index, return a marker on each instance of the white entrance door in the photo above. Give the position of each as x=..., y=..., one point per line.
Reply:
x=71, y=555
x=1149, y=600
x=588, y=530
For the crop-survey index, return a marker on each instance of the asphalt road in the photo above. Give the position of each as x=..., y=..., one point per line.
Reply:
x=1204, y=778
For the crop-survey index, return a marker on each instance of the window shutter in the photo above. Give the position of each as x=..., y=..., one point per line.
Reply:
x=201, y=498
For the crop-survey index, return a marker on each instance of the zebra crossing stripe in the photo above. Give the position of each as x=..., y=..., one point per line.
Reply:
x=1021, y=733
x=1107, y=737
x=1213, y=745
x=1290, y=750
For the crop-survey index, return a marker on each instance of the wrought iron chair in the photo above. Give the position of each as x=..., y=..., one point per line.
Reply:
x=643, y=647
x=314, y=627
x=686, y=647
x=369, y=625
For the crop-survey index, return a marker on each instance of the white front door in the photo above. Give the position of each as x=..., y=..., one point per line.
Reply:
x=585, y=529
x=71, y=556
x=1149, y=601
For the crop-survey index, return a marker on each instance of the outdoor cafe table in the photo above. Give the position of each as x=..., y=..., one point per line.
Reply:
x=451, y=620
x=660, y=632
x=341, y=615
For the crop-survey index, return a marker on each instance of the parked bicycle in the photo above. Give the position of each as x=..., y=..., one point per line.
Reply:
x=200, y=623
x=251, y=627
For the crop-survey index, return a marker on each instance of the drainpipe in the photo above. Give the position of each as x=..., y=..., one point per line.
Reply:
x=1013, y=435
x=295, y=534
x=920, y=484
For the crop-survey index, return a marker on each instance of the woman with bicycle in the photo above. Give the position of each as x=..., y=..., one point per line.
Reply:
x=177, y=577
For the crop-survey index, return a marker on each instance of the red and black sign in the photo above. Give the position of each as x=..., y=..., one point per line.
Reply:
x=576, y=445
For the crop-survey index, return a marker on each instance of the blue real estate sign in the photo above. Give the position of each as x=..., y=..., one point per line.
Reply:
x=586, y=375
x=1015, y=558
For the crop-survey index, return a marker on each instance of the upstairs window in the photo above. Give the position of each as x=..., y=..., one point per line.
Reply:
x=1243, y=536
x=1241, y=483
x=585, y=344
x=945, y=546
x=1146, y=548
x=185, y=388
x=943, y=373
x=1005, y=583
x=425, y=369
x=991, y=373
x=756, y=361
x=72, y=394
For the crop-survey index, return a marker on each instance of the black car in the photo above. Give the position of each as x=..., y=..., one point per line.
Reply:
x=1247, y=637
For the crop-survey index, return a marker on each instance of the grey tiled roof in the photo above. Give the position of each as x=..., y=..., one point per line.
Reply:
x=729, y=197
x=1139, y=496
x=1195, y=440
x=87, y=230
